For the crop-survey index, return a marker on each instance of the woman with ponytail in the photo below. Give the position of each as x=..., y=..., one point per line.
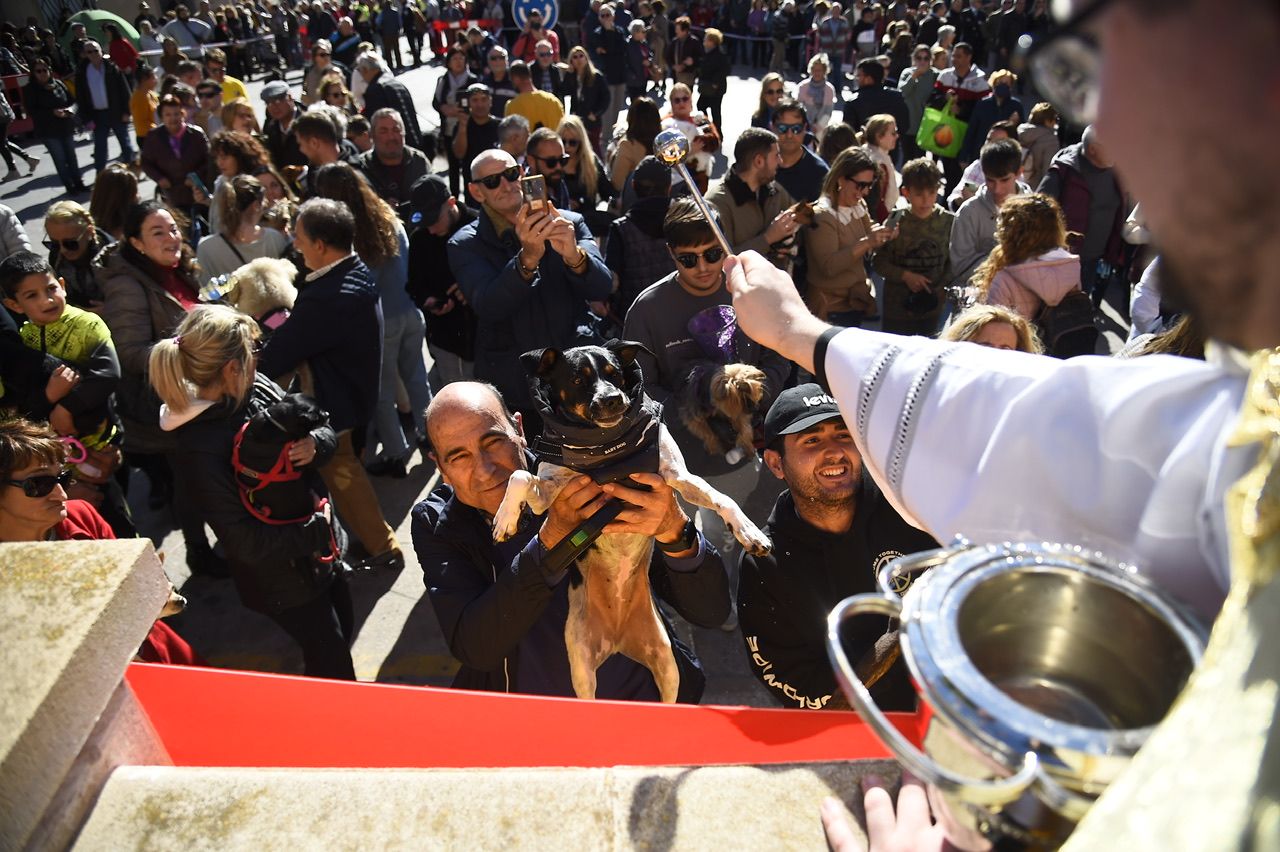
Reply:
x=206, y=377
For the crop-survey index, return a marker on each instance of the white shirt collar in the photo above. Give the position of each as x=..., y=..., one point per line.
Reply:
x=326, y=269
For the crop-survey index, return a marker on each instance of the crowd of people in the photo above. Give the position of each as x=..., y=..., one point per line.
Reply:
x=325, y=241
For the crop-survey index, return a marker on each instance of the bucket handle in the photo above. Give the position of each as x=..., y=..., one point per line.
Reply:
x=977, y=791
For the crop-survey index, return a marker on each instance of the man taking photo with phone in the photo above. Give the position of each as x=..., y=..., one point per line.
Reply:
x=528, y=274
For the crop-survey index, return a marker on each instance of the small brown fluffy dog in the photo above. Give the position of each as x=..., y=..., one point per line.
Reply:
x=721, y=416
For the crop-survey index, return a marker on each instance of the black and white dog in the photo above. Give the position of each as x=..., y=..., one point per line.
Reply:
x=597, y=420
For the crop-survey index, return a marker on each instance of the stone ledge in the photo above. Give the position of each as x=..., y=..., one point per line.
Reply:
x=738, y=807
x=72, y=615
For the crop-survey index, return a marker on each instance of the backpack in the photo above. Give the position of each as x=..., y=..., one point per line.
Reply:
x=1067, y=328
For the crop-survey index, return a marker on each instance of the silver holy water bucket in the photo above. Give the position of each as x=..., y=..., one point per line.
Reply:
x=1045, y=666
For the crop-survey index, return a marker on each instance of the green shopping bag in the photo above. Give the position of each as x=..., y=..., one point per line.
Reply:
x=940, y=131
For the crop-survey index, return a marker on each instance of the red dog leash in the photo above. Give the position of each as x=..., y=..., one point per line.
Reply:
x=282, y=471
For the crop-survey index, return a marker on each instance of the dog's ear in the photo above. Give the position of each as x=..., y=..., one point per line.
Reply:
x=539, y=361
x=626, y=350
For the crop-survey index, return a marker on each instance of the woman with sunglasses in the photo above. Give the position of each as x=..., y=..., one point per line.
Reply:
x=588, y=93
x=73, y=242
x=53, y=112
x=289, y=572
x=916, y=85
x=334, y=93
x=34, y=506
x=584, y=174
x=772, y=90
x=842, y=237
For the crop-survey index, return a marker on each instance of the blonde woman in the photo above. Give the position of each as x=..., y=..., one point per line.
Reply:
x=584, y=174
x=995, y=326
x=206, y=378
x=817, y=94
x=842, y=237
x=238, y=116
x=880, y=137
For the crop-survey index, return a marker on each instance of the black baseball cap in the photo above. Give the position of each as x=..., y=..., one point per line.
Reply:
x=796, y=409
x=427, y=198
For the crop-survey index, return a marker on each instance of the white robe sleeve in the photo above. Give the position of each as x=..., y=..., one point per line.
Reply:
x=1123, y=456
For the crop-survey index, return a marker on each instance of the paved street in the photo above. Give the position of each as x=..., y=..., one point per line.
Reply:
x=398, y=639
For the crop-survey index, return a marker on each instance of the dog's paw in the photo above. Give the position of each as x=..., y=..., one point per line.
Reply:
x=752, y=539
x=506, y=521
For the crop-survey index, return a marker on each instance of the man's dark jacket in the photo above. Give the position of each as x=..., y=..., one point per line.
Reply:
x=431, y=276
x=336, y=327
x=514, y=315
x=486, y=609
x=387, y=91
x=874, y=100
x=118, y=91
x=784, y=598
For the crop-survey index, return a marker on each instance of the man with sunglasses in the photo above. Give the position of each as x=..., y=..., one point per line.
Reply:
x=545, y=156
x=102, y=96
x=543, y=109
x=498, y=79
x=675, y=367
x=1167, y=463
x=801, y=172
x=527, y=272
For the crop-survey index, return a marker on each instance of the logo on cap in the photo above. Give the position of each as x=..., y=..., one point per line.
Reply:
x=820, y=399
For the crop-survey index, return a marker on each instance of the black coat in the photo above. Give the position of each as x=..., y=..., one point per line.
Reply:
x=387, y=91
x=784, y=598
x=613, y=62
x=874, y=100
x=272, y=564
x=586, y=99
x=336, y=327
x=118, y=90
x=41, y=102
x=486, y=604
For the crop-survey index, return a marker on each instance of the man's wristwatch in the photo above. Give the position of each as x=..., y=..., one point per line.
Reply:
x=688, y=538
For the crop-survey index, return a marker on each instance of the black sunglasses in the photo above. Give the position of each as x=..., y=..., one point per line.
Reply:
x=511, y=174
x=570, y=142
x=864, y=185
x=67, y=245
x=689, y=259
x=774, y=91
x=40, y=486
x=562, y=160
x=796, y=129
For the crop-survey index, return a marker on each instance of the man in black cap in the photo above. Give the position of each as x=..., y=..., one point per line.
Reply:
x=436, y=215
x=832, y=531
x=480, y=130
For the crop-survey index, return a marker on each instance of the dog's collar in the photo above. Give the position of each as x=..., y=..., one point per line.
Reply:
x=590, y=448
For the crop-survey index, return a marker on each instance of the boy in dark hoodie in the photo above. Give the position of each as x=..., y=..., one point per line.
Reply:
x=917, y=264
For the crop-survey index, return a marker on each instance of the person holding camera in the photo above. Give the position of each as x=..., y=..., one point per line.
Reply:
x=527, y=269
x=477, y=128
x=526, y=46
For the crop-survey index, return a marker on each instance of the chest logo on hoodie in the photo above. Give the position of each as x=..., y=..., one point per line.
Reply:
x=900, y=584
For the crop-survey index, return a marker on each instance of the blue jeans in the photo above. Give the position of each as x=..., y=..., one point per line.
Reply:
x=105, y=123
x=62, y=150
x=402, y=361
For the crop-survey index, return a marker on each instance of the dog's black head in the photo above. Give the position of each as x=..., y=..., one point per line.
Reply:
x=290, y=419
x=588, y=384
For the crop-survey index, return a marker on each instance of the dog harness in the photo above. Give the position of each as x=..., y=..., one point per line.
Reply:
x=282, y=471
x=606, y=455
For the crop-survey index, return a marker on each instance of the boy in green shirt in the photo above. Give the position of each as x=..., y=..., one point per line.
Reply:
x=917, y=264
x=76, y=337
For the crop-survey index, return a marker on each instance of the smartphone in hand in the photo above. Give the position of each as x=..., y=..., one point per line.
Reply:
x=534, y=188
